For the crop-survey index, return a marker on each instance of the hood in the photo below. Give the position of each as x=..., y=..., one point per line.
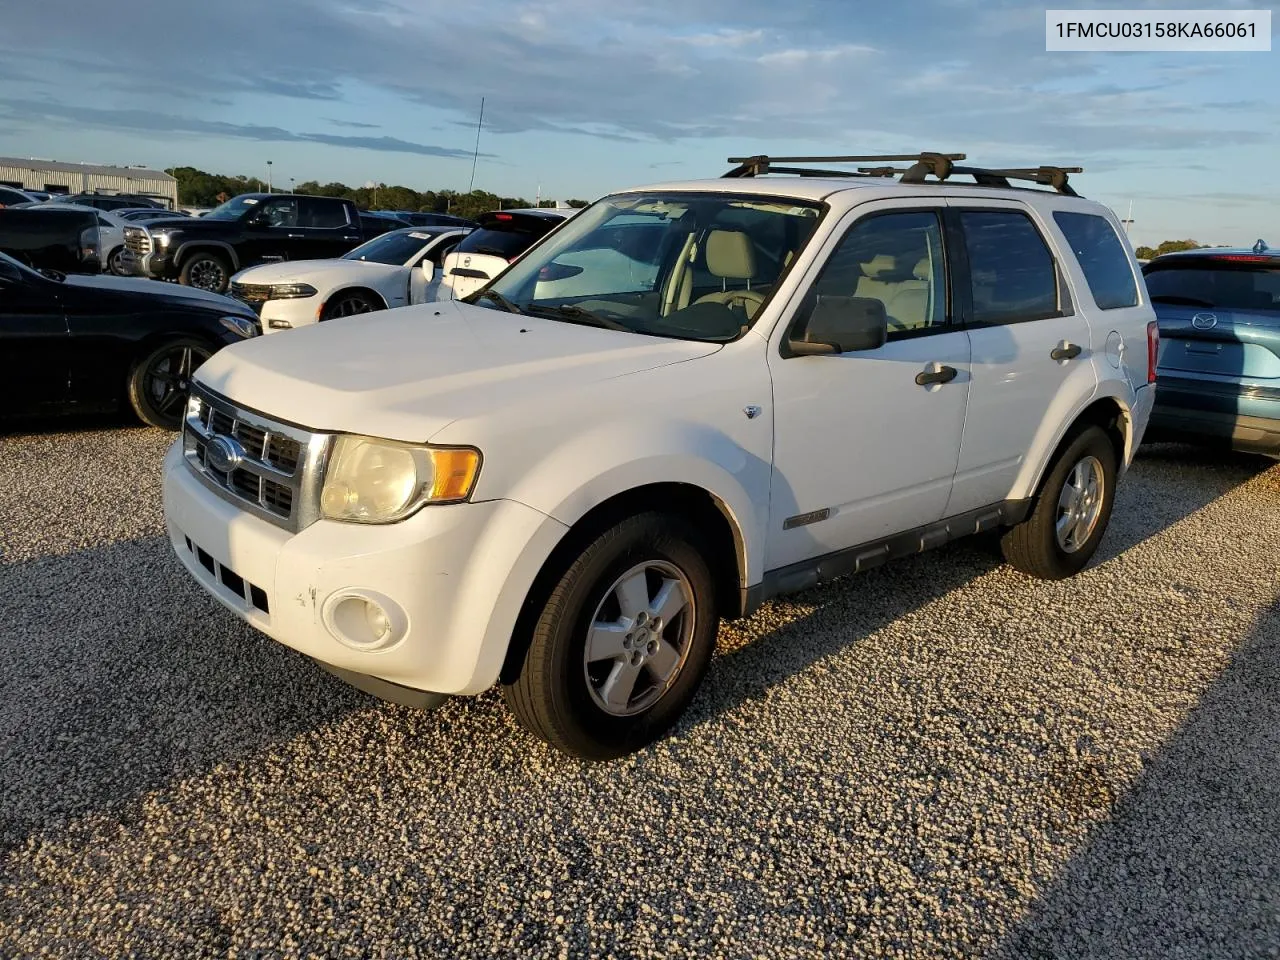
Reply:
x=406, y=374
x=301, y=271
x=162, y=292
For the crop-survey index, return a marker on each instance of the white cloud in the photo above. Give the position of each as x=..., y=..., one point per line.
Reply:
x=796, y=56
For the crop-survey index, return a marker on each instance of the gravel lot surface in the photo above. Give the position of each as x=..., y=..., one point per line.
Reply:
x=939, y=758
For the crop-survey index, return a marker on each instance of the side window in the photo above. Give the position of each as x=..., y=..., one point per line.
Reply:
x=1102, y=258
x=280, y=212
x=1012, y=274
x=895, y=258
x=324, y=214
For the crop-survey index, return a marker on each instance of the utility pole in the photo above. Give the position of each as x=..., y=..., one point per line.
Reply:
x=476, y=157
x=268, y=176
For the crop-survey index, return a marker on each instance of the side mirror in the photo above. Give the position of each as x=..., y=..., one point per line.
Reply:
x=842, y=325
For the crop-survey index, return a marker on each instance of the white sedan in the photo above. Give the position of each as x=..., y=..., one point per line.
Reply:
x=391, y=270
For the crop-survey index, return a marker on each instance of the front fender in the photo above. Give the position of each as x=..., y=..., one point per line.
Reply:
x=188, y=247
x=599, y=464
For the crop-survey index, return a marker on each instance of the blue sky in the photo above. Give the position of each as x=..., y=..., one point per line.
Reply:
x=585, y=96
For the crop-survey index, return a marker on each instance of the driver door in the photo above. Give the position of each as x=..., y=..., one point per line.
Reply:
x=863, y=449
x=271, y=232
x=35, y=342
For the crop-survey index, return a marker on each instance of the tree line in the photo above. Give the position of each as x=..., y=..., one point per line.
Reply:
x=196, y=188
x=1169, y=246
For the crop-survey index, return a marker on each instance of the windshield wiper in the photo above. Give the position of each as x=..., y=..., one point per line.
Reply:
x=572, y=313
x=497, y=298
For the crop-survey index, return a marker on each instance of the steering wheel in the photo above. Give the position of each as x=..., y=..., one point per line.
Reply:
x=749, y=300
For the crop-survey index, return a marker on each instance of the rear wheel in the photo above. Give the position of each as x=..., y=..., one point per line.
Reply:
x=159, y=382
x=206, y=271
x=622, y=642
x=1071, y=513
x=348, y=303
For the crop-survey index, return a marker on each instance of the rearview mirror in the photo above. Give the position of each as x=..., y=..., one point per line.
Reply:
x=841, y=325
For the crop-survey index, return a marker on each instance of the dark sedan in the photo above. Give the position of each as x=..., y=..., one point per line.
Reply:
x=95, y=343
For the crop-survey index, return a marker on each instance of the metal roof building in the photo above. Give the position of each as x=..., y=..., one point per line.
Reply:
x=54, y=176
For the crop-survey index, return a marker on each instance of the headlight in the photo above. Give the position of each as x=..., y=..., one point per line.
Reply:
x=291, y=291
x=241, y=325
x=382, y=481
x=161, y=238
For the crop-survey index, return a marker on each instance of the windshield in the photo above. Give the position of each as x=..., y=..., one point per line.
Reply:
x=233, y=209
x=692, y=266
x=1225, y=286
x=395, y=248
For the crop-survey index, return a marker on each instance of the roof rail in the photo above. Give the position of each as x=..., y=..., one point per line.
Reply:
x=938, y=165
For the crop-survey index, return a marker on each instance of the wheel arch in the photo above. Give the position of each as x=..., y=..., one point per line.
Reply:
x=191, y=247
x=368, y=291
x=1107, y=411
x=705, y=511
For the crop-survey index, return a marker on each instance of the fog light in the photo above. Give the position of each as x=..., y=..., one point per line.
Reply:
x=364, y=620
x=279, y=324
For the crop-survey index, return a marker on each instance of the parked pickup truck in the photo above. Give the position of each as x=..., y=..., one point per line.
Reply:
x=247, y=230
x=686, y=400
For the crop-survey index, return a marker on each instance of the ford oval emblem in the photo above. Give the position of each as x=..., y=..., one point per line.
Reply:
x=1204, y=321
x=223, y=454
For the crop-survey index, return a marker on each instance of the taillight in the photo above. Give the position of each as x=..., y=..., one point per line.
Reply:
x=1153, y=350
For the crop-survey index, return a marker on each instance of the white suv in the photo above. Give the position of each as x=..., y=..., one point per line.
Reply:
x=688, y=399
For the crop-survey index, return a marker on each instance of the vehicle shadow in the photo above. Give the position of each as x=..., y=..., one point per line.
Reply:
x=1164, y=486
x=121, y=675
x=1188, y=863
x=71, y=423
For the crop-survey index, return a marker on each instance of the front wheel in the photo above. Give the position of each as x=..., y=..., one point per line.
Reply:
x=205, y=271
x=1071, y=513
x=622, y=643
x=115, y=263
x=348, y=303
x=159, y=382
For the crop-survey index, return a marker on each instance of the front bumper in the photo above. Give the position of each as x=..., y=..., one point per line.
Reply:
x=295, y=311
x=456, y=576
x=158, y=265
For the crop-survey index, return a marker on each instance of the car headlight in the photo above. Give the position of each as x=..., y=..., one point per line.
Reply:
x=161, y=238
x=241, y=325
x=382, y=481
x=291, y=291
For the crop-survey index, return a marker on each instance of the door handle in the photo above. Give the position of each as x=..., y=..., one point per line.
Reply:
x=1065, y=351
x=941, y=375
x=296, y=236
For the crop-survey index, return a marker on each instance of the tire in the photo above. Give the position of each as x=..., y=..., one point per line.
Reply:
x=158, y=382
x=115, y=263
x=206, y=271
x=1036, y=546
x=601, y=707
x=348, y=303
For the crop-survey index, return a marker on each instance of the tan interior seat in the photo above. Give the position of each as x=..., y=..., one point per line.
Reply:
x=730, y=255
x=905, y=295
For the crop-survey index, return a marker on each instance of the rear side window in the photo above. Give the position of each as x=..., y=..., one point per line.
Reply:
x=1224, y=285
x=325, y=214
x=1012, y=274
x=1102, y=258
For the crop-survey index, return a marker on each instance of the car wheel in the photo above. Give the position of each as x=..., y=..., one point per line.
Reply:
x=115, y=263
x=1071, y=513
x=205, y=271
x=348, y=303
x=159, y=382
x=622, y=642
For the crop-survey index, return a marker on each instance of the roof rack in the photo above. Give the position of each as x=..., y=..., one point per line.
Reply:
x=938, y=165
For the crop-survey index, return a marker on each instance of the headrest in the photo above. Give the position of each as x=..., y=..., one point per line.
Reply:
x=880, y=263
x=730, y=255
x=922, y=270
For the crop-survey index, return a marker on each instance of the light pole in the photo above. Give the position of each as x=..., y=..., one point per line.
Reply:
x=268, y=176
x=1128, y=221
x=291, y=185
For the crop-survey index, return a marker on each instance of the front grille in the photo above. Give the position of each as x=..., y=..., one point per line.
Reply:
x=137, y=240
x=270, y=468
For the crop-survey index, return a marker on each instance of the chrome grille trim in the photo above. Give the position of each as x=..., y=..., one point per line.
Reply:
x=137, y=240
x=280, y=475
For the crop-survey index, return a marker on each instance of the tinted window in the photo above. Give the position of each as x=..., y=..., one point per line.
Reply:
x=503, y=241
x=896, y=259
x=394, y=248
x=1012, y=274
x=325, y=214
x=1102, y=258
x=8, y=197
x=1226, y=285
x=280, y=212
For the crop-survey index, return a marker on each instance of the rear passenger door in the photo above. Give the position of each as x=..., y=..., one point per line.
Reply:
x=324, y=229
x=1031, y=361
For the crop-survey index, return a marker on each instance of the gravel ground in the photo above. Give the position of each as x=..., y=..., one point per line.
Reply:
x=939, y=758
